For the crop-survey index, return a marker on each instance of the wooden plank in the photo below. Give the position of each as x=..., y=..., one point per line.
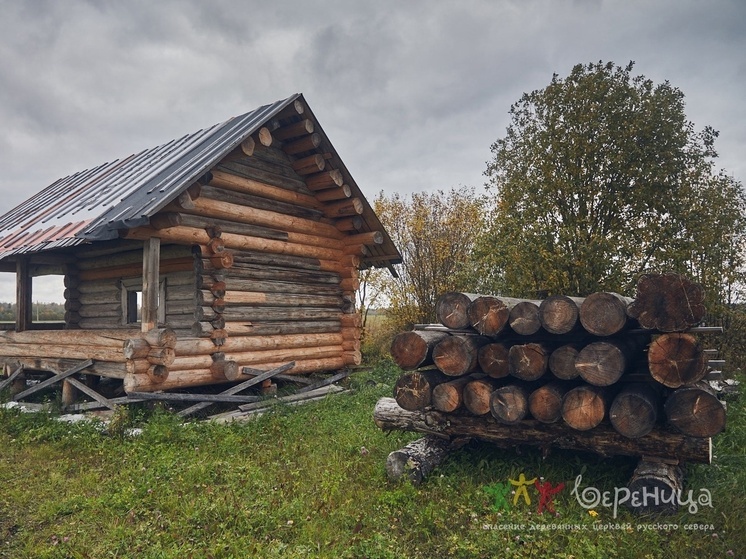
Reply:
x=261, y=377
x=150, y=283
x=11, y=378
x=185, y=397
x=86, y=406
x=54, y=379
x=92, y=393
x=325, y=382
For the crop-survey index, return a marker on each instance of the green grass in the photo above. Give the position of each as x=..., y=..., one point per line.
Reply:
x=310, y=482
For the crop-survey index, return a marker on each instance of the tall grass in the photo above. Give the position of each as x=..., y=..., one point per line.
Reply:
x=310, y=482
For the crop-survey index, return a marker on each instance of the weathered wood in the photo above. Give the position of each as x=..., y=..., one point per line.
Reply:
x=288, y=287
x=233, y=298
x=307, y=143
x=266, y=328
x=528, y=361
x=651, y=478
x=414, y=349
x=545, y=402
x=677, y=359
x=56, y=378
x=414, y=390
x=634, y=411
x=283, y=201
x=238, y=344
x=560, y=314
x=295, y=130
x=161, y=337
x=452, y=309
x=603, y=440
x=309, y=164
x=604, y=313
x=23, y=294
x=324, y=180
x=62, y=351
x=458, y=355
x=334, y=194
x=178, y=379
x=695, y=411
x=489, y=315
x=603, y=363
x=420, y=457
x=562, y=361
x=266, y=313
x=187, y=397
x=13, y=376
x=110, y=338
x=239, y=388
x=524, y=318
x=509, y=404
x=667, y=302
x=248, y=145
x=494, y=359
x=85, y=389
x=449, y=396
x=136, y=348
x=353, y=223
x=584, y=407
x=476, y=395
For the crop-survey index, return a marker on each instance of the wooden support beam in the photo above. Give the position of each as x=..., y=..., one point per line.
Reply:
x=23, y=295
x=8, y=381
x=261, y=377
x=90, y=392
x=150, y=285
x=50, y=381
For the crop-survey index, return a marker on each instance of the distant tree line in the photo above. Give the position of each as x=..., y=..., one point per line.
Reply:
x=40, y=312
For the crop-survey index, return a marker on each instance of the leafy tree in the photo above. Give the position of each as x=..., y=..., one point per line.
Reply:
x=436, y=234
x=601, y=177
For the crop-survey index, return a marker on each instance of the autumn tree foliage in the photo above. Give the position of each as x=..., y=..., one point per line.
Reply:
x=599, y=178
x=436, y=233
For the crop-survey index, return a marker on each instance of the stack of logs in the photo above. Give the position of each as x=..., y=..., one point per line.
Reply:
x=549, y=373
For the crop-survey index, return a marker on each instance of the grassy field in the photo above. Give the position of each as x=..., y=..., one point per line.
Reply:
x=310, y=482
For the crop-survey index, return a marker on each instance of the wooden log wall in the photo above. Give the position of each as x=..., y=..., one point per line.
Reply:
x=589, y=367
x=277, y=248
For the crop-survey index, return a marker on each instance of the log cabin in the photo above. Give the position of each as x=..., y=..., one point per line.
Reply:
x=236, y=246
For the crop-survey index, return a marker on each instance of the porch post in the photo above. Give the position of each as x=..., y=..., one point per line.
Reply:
x=23, y=294
x=150, y=275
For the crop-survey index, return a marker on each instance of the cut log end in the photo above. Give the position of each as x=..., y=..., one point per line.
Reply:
x=583, y=408
x=667, y=302
x=677, y=360
x=559, y=314
x=524, y=318
x=604, y=314
x=452, y=310
x=488, y=315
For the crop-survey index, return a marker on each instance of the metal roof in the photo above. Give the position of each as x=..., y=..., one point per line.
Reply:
x=93, y=204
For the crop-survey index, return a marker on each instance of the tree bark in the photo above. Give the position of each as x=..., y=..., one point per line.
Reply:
x=603, y=440
x=419, y=458
x=656, y=477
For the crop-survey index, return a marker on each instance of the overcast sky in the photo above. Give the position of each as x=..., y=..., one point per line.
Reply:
x=412, y=93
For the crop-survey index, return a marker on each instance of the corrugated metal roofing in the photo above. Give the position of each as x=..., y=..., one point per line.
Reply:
x=93, y=204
